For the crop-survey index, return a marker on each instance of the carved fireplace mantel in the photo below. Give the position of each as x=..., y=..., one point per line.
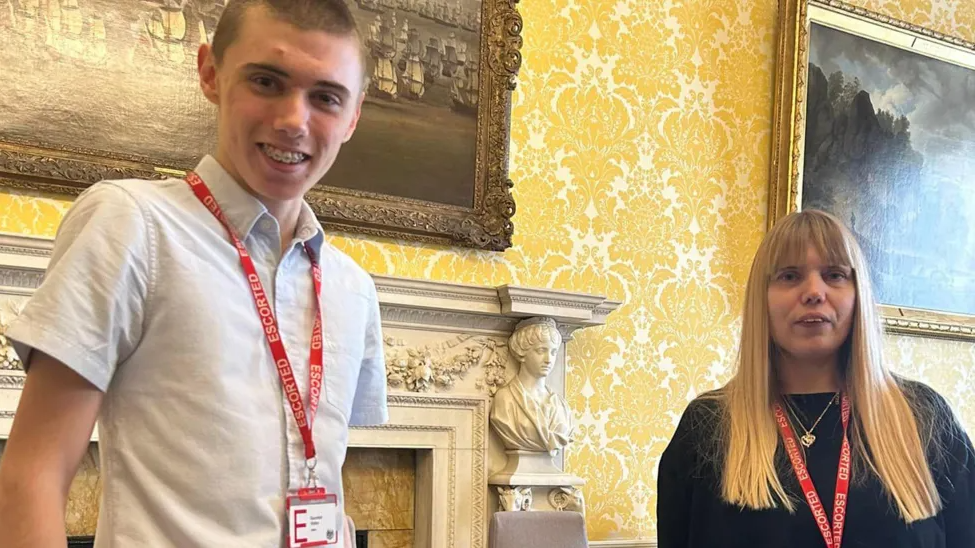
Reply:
x=446, y=356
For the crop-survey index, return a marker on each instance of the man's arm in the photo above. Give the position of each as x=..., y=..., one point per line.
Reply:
x=84, y=320
x=369, y=404
x=49, y=437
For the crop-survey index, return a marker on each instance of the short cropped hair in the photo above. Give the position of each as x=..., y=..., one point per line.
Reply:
x=330, y=16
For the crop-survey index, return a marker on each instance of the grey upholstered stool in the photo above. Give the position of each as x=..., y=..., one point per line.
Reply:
x=537, y=530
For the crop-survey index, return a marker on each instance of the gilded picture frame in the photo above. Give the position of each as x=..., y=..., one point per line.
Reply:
x=65, y=127
x=812, y=164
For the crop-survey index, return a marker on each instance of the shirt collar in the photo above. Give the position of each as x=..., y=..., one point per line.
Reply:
x=242, y=209
x=309, y=230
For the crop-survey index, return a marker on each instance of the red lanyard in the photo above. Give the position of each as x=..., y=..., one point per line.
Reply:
x=834, y=538
x=272, y=333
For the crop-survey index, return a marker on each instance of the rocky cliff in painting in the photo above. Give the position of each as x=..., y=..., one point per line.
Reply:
x=860, y=164
x=855, y=157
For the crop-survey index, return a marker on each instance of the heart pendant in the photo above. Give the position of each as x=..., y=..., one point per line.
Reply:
x=807, y=440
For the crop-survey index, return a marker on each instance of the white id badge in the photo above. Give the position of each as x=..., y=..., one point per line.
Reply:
x=313, y=520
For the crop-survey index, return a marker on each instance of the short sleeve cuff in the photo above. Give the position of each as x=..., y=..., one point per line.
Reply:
x=369, y=416
x=27, y=336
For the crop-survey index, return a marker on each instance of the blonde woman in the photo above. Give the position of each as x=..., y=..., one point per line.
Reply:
x=814, y=442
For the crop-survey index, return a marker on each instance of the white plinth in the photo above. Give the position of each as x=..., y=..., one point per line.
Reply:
x=528, y=468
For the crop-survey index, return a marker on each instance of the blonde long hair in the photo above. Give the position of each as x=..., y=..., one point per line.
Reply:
x=885, y=433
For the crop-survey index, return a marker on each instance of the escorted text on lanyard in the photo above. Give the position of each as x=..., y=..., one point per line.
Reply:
x=832, y=537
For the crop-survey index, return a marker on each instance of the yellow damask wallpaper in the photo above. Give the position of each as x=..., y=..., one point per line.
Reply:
x=640, y=146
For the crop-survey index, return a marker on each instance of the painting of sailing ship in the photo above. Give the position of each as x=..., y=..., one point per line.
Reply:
x=117, y=79
x=421, y=104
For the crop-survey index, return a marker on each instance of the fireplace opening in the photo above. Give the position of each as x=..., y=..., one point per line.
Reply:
x=380, y=492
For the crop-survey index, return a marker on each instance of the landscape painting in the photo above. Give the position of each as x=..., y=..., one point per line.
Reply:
x=890, y=149
x=110, y=86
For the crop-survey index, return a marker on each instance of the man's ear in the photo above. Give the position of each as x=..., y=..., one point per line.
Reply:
x=207, y=68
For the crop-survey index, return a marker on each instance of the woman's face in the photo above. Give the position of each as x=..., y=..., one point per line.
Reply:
x=810, y=307
x=540, y=359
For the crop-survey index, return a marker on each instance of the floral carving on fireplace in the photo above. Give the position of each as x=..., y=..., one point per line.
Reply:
x=441, y=365
x=8, y=358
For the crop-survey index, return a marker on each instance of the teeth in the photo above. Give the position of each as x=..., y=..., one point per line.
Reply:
x=283, y=156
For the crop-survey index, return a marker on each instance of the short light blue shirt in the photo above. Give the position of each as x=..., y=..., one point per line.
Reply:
x=145, y=298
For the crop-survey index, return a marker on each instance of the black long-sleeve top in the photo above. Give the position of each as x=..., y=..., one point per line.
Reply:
x=691, y=514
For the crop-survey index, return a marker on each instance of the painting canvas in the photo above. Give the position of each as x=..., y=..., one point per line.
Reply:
x=885, y=140
x=105, y=75
x=421, y=106
x=890, y=149
x=113, y=83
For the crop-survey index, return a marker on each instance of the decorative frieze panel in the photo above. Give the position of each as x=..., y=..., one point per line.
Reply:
x=439, y=366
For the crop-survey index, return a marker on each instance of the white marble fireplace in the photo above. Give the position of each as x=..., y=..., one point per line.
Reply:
x=446, y=355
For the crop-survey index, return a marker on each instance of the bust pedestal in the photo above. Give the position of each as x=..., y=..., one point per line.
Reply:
x=534, y=469
x=531, y=481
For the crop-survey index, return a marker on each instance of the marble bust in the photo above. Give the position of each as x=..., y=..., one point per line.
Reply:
x=526, y=415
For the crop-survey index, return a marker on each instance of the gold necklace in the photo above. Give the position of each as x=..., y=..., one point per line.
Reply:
x=809, y=438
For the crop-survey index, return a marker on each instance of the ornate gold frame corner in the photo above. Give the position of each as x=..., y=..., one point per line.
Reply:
x=38, y=169
x=488, y=224
x=788, y=131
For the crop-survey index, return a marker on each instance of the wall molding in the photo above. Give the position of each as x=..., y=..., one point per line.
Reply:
x=13, y=381
x=641, y=543
x=26, y=245
x=404, y=302
x=443, y=306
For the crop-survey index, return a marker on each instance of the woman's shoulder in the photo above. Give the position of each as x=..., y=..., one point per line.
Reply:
x=706, y=407
x=926, y=401
x=502, y=397
x=939, y=427
x=696, y=442
x=701, y=419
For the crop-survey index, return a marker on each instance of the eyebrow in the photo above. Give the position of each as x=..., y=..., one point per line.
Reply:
x=329, y=84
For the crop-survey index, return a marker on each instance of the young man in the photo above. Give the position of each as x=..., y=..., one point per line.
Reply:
x=197, y=354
